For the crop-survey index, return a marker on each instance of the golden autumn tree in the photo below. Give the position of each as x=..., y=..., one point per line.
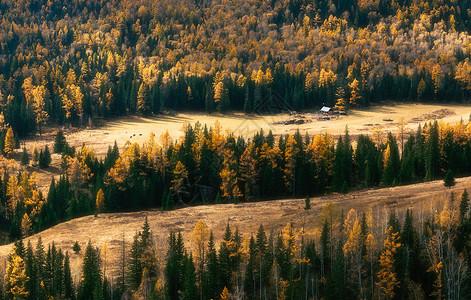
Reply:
x=14, y=194
x=341, y=102
x=355, y=96
x=291, y=152
x=352, y=247
x=199, y=239
x=180, y=177
x=100, y=201
x=387, y=276
x=9, y=145
x=229, y=182
x=142, y=105
x=39, y=106
x=26, y=226
x=225, y=295
x=248, y=171
x=15, y=278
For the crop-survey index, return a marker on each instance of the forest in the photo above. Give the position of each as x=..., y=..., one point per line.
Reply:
x=399, y=256
x=73, y=62
x=209, y=165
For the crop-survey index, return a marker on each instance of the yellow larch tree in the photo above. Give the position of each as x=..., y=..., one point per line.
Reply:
x=15, y=278
x=26, y=226
x=225, y=295
x=199, y=239
x=387, y=277
x=291, y=152
x=352, y=247
x=248, y=171
x=355, y=96
x=229, y=182
x=9, y=145
x=180, y=176
x=39, y=109
x=100, y=201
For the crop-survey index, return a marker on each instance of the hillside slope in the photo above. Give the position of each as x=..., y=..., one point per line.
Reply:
x=109, y=228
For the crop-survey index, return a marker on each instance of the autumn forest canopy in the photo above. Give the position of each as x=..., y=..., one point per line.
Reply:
x=68, y=62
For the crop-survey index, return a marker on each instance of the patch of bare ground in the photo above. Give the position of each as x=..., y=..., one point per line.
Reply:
x=273, y=215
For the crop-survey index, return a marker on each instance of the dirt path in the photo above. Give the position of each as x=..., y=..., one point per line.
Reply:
x=109, y=228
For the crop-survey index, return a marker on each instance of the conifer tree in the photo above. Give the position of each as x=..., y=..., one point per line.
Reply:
x=24, y=157
x=16, y=279
x=60, y=143
x=387, y=275
x=449, y=179
x=134, y=264
x=91, y=283
x=100, y=201
x=9, y=144
x=68, y=283
x=190, y=290
x=464, y=205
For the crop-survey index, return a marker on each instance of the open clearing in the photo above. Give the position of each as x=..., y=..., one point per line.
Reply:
x=138, y=129
x=273, y=215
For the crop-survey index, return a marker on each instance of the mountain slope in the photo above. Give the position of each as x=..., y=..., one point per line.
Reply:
x=109, y=228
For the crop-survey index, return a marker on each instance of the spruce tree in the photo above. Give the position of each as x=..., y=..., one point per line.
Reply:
x=68, y=283
x=60, y=142
x=24, y=157
x=190, y=290
x=134, y=264
x=449, y=179
x=307, y=203
x=91, y=284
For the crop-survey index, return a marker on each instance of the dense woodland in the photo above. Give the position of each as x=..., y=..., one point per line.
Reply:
x=69, y=62
x=358, y=256
x=207, y=165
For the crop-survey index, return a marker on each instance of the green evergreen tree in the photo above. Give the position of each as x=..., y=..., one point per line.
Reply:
x=464, y=205
x=190, y=290
x=91, y=283
x=60, y=143
x=24, y=157
x=307, y=203
x=134, y=264
x=449, y=179
x=68, y=283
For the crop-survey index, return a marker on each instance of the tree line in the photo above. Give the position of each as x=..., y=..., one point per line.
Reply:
x=207, y=165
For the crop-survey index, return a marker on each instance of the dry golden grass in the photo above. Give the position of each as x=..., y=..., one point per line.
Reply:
x=273, y=215
x=138, y=129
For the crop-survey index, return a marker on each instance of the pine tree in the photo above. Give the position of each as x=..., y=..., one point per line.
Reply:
x=91, y=284
x=24, y=157
x=464, y=205
x=68, y=284
x=449, y=179
x=211, y=278
x=76, y=247
x=190, y=290
x=134, y=264
x=174, y=269
x=307, y=203
x=60, y=143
